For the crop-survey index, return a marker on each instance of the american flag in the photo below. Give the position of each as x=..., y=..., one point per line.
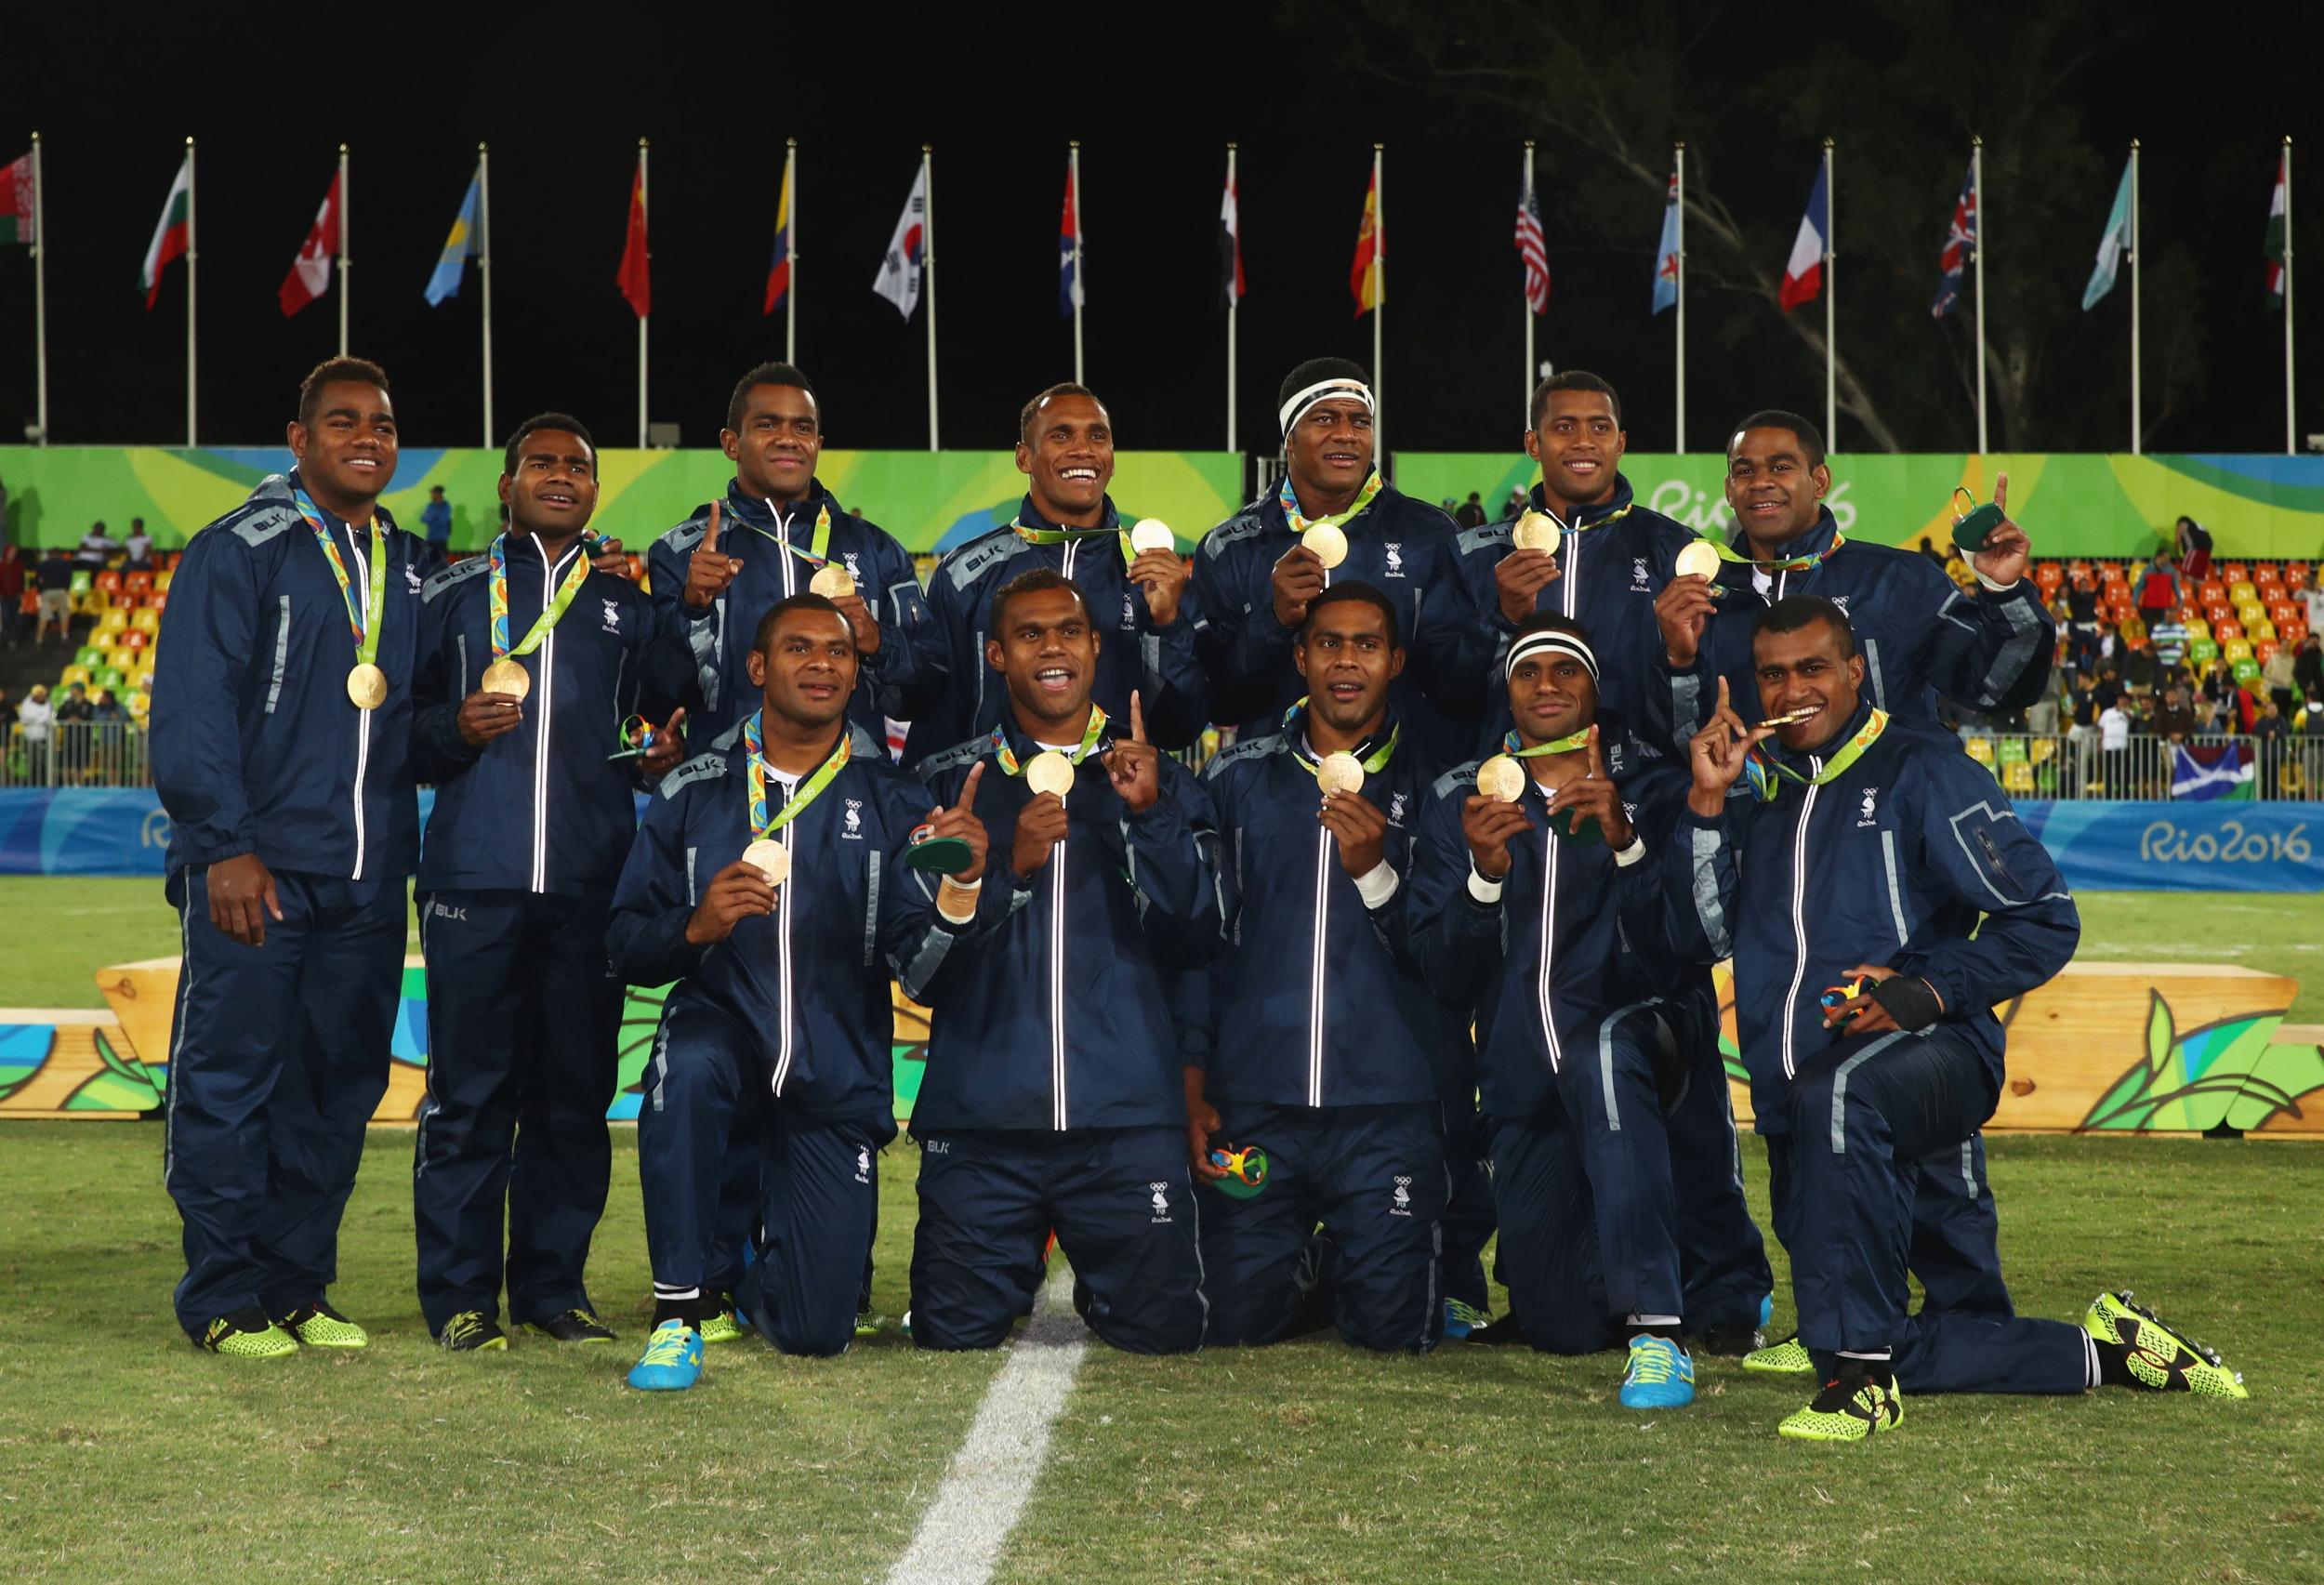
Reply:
x=1960, y=247
x=1530, y=249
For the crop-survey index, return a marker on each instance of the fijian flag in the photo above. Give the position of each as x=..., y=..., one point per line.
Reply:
x=1230, y=245
x=1960, y=247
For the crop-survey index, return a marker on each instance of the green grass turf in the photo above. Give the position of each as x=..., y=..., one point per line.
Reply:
x=129, y=1455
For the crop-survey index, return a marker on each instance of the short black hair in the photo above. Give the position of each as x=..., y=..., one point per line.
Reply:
x=1034, y=582
x=331, y=370
x=768, y=374
x=438, y=489
x=1811, y=438
x=1032, y=409
x=1354, y=590
x=1792, y=613
x=1316, y=369
x=1574, y=379
x=533, y=426
x=763, y=634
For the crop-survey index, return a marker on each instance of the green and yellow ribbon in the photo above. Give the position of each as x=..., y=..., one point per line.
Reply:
x=1010, y=766
x=1764, y=769
x=363, y=622
x=497, y=587
x=761, y=825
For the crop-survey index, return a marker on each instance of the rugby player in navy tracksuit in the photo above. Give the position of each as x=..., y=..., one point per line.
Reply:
x=293, y=833
x=533, y=814
x=1067, y=524
x=1614, y=557
x=1557, y=942
x=1317, y=1042
x=1866, y=848
x=778, y=1033
x=1921, y=637
x=1053, y=1097
x=1254, y=578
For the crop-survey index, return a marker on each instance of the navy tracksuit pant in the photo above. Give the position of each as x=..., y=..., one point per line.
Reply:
x=1122, y=1204
x=1375, y=1177
x=1468, y=1220
x=1589, y=1212
x=705, y=1107
x=524, y=1033
x=1722, y=1259
x=278, y=1058
x=1872, y=1180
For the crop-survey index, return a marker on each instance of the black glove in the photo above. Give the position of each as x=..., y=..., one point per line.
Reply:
x=1907, y=1000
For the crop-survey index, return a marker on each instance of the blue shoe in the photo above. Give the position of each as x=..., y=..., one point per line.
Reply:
x=1766, y=1310
x=1661, y=1375
x=672, y=1361
x=1461, y=1318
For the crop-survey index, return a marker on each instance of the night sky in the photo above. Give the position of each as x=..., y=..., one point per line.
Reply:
x=562, y=97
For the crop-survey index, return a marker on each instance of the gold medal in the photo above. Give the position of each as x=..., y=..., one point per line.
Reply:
x=1806, y=713
x=367, y=686
x=1329, y=545
x=508, y=675
x=1501, y=777
x=1339, y=773
x=1050, y=771
x=1152, y=533
x=1700, y=559
x=1536, y=531
x=831, y=581
x=771, y=859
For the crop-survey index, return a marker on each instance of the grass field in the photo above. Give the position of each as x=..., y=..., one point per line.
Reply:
x=124, y=1455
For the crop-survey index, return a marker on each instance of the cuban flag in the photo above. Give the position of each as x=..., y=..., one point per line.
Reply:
x=2204, y=773
x=1069, y=248
x=1804, y=275
x=1960, y=247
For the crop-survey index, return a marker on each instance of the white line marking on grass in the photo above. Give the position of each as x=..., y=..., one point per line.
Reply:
x=960, y=1538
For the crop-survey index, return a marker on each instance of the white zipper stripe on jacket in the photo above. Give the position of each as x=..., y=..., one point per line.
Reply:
x=1549, y=939
x=1798, y=914
x=783, y=533
x=1315, y=957
x=1057, y=986
x=783, y=961
x=547, y=652
x=362, y=717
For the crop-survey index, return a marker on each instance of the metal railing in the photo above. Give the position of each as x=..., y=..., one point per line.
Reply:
x=76, y=754
x=2079, y=764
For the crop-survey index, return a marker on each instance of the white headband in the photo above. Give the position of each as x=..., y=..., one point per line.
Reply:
x=1338, y=385
x=1565, y=643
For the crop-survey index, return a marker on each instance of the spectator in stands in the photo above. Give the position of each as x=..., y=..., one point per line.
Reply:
x=2271, y=728
x=2277, y=677
x=2157, y=590
x=2307, y=668
x=54, y=575
x=140, y=547
x=437, y=515
x=2312, y=601
x=36, y=716
x=2310, y=719
x=2175, y=718
x=96, y=546
x=1516, y=503
x=2114, y=742
x=1956, y=568
x=2082, y=708
x=1471, y=512
x=74, y=714
x=106, y=710
x=2194, y=542
x=2041, y=716
x=1930, y=551
x=107, y=729
x=2170, y=640
x=2207, y=714
x=12, y=571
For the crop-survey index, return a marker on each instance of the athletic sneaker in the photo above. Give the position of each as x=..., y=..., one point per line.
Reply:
x=726, y=1326
x=1461, y=1318
x=470, y=1331
x=2162, y=1358
x=868, y=1323
x=573, y=1326
x=1857, y=1405
x=1660, y=1375
x=318, y=1326
x=246, y=1334
x=672, y=1361
x=1788, y=1357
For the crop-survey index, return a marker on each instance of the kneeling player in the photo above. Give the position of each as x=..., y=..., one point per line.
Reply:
x=760, y=881
x=1052, y=1098
x=1874, y=857
x=1320, y=1041
x=1534, y=904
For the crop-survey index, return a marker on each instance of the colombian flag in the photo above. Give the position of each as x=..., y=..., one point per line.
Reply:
x=779, y=273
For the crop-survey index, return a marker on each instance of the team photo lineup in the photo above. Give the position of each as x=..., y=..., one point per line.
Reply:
x=1294, y=919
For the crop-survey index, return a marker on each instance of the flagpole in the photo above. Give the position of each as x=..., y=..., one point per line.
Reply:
x=2136, y=426
x=1380, y=305
x=1679, y=288
x=2291, y=438
x=1073, y=175
x=1234, y=299
x=344, y=260
x=1832, y=307
x=790, y=253
x=40, y=300
x=1976, y=258
x=484, y=273
x=644, y=203
x=928, y=273
x=1525, y=303
x=192, y=256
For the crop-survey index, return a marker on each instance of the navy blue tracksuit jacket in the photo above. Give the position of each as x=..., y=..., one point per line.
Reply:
x=949, y=694
x=719, y=635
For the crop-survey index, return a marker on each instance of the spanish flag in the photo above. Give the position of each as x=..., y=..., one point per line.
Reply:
x=1367, y=278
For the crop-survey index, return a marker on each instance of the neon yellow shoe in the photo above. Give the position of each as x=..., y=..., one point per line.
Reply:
x=246, y=1334
x=318, y=1326
x=1856, y=1406
x=722, y=1327
x=1788, y=1357
x=2162, y=1358
x=472, y=1331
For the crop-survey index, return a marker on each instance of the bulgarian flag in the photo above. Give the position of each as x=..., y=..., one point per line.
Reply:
x=16, y=202
x=2279, y=208
x=171, y=232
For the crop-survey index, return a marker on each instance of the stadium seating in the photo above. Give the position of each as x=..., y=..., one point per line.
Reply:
x=2226, y=632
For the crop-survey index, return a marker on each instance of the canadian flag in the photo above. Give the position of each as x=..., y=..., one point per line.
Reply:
x=309, y=274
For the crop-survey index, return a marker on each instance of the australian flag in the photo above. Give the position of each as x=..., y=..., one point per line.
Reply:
x=1960, y=247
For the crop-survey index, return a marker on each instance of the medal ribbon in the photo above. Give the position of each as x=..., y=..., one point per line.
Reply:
x=1580, y=527
x=1782, y=564
x=1063, y=535
x=761, y=825
x=363, y=623
x=1571, y=741
x=818, y=556
x=1290, y=500
x=497, y=584
x=1008, y=755
x=1765, y=769
x=1372, y=762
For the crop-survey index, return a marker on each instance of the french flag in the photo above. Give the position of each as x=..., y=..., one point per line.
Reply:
x=1804, y=275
